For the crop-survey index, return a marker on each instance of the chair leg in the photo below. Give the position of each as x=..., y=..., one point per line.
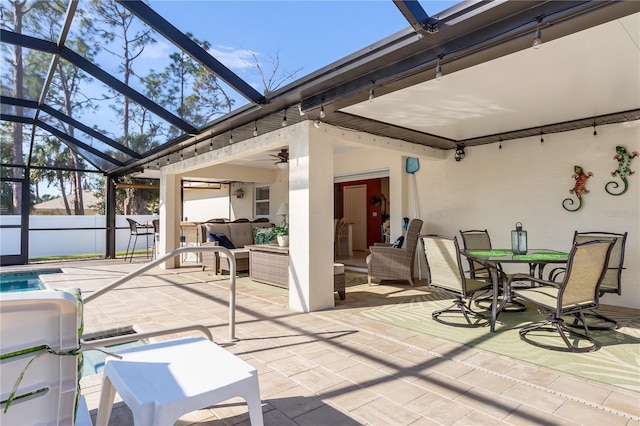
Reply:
x=609, y=323
x=556, y=325
x=127, y=252
x=459, y=306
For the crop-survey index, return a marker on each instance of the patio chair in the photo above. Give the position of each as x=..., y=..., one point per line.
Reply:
x=156, y=237
x=479, y=240
x=41, y=365
x=577, y=293
x=395, y=263
x=612, y=281
x=137, y=230
x=445, y=274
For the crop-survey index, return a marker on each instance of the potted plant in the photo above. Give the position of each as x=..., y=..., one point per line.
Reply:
x=282, y=233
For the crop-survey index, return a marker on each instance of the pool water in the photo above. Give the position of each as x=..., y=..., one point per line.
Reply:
x=24, y=281
x=93, y=362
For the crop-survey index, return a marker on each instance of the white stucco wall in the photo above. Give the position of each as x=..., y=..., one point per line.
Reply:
x=526, y=181
x=200, y=205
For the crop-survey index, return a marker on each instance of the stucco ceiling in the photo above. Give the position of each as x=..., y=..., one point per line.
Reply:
x=586, y=74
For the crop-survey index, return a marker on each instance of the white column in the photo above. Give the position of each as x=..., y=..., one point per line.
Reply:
x=169, y=218
x=310, y=221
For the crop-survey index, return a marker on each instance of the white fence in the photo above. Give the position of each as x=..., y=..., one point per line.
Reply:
x=71, y=239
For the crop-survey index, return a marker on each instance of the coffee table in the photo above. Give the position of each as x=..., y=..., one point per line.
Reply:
x=269, y=264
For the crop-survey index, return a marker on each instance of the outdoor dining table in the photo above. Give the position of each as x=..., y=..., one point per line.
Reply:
x=493, y=259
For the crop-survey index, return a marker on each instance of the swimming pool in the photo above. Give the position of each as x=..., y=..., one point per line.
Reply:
x=24, y=281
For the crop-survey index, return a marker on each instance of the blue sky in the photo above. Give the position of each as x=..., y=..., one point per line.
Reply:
x=304, y=34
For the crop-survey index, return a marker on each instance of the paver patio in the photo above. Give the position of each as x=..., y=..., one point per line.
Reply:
x=334, y=367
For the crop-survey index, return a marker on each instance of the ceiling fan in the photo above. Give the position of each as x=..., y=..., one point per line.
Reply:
x=283, y=158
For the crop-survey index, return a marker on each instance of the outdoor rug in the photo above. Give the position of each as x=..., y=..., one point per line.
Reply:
x=617, y=362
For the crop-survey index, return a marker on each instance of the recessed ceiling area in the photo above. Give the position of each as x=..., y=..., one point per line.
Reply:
x=586, y=74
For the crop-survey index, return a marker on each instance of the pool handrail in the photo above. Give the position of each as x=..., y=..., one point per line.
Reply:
x=132, y=337
x=176, y=252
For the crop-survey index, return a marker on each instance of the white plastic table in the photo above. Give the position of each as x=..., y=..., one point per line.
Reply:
x=163, y=381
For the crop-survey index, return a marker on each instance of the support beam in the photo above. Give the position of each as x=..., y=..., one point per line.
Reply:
x=310, y=220
x=110, y=210
x=177, y=37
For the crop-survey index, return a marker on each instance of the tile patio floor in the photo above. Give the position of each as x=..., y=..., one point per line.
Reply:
x=336, y=368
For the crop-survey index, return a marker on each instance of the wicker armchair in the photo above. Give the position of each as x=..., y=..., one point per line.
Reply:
x=389, y=263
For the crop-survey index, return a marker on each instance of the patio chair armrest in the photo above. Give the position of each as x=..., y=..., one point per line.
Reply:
x=527, y=277
x=556, y=272
x=387, y=250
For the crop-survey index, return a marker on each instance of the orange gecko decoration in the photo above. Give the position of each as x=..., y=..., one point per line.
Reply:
x=579, y=188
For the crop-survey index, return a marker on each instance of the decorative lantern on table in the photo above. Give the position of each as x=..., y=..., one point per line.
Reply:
x=519, y=240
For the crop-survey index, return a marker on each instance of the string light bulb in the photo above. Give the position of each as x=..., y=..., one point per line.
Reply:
x=371, y=95
x=500, y=144
x=255, y=129
x=316, y=123
x=230, y=138
x=438, y=70
x=595, y=132
x=195, y=150
x=300, y=110
x=284, y=119
x=181, y=156
x=211, y=145
x=537, y=38
x=322, y=113
x=541, y=137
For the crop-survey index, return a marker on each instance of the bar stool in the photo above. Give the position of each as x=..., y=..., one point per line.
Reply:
x=137, y=230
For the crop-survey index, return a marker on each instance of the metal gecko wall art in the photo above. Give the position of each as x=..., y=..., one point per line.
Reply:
x=579, y=188
x=624, y=170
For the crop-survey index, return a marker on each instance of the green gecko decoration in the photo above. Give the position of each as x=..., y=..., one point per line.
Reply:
x=579, y=188
x=624, y=169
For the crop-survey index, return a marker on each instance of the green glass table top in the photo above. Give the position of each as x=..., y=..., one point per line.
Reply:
x=541, y=256
x=490, y=253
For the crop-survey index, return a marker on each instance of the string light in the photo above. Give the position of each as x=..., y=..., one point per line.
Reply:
x=322, y=114
x=595, y=132
x=195, y=148
x=439, y=69
x=537, y=38
x=300, y=109
x=541, y=137
x=255, y=129
x=371, y=94
x=284, y=119
x=211, y=145
x=230, y=138
x=181, y=156
x=316, y=123
x=500, y=145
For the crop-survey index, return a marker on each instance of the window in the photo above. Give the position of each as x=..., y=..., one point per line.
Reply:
x=262, y=201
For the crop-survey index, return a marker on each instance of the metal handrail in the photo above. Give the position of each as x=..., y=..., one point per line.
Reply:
x=126, y=338
x=176, y=252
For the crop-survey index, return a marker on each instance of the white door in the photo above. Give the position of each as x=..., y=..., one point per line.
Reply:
x=355, y=212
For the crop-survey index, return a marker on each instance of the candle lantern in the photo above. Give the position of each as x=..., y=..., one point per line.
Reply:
x=519, y=240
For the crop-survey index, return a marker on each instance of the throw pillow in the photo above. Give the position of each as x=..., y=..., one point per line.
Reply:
x=398, y=243
x=211, y=238
x=225, y=241
x=263, y=235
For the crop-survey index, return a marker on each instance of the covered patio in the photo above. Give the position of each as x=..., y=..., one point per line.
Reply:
x=498, y=128
x=340, y=366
